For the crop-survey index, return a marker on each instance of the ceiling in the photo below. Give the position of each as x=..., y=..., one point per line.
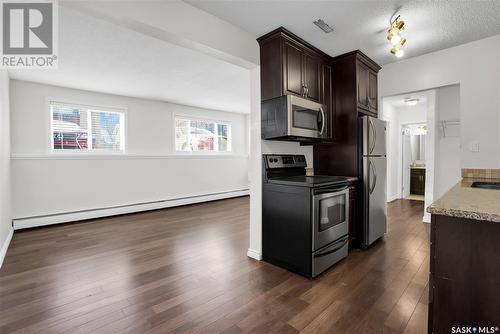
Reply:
x=430, y=25
x=99, y=56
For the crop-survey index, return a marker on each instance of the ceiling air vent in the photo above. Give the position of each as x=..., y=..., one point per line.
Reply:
x=323, y=26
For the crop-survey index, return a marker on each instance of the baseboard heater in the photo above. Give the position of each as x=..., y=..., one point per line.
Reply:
x=67, y=217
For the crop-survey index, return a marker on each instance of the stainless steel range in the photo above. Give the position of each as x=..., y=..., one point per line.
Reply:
x=305, y=218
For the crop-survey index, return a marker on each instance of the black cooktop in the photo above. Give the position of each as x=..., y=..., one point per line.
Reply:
x=308, y=181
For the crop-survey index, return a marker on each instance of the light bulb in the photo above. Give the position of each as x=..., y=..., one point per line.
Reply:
x=400, y=53
x=411, y=102
x=395, y=39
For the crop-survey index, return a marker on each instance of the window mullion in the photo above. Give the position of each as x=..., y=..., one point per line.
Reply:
x=216, y=137
x=89, y=131
x=189, y=135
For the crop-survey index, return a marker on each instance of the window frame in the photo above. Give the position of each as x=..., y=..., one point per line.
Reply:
x=121, y=110
x=188, y=117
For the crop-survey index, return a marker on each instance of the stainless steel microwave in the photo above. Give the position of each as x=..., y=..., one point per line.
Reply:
x=293, y=118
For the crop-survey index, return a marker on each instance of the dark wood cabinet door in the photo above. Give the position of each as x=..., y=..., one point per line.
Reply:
x=417, y=181
x=293, y=80
x=326, y=98
x=362, y=76
x=312, y=77
x=414, y=181
x=372, y=91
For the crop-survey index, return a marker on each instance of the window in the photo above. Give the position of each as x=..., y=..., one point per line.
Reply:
x=192, y=135
x=80, y=128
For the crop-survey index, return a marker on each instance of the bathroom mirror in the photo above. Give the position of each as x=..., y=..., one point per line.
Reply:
x=417, y=144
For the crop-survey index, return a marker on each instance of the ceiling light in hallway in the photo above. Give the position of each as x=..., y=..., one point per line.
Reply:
x=411, y=102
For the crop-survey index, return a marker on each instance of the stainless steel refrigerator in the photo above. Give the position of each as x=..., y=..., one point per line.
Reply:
x=373, y=163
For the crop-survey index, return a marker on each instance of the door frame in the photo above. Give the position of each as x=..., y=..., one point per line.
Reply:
x=402, y=162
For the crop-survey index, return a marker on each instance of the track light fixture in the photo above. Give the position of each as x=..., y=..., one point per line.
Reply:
x=394, y=36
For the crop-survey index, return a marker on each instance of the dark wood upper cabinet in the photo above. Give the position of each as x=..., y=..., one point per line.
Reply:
x=290, y=66
x=372, y=92
x=354, y=81
x=346, y=85
x=312, y=77
x=367, y=90
x=362, y=73
x=293, y=70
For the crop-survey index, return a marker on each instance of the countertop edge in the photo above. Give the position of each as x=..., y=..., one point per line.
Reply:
x=450, y=203
x=463, y=214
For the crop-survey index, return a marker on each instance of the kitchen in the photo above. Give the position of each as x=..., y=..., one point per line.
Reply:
x=158, y=234
x=289, y=69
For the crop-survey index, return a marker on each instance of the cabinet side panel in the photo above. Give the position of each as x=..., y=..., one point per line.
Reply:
x=286, y=227
x=465, y=273
x=271, y=69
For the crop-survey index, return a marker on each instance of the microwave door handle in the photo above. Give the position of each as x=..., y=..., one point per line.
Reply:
x=322, y=120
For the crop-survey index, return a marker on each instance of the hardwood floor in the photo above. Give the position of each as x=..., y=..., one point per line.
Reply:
x=185, y=270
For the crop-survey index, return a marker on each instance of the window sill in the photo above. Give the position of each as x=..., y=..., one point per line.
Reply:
x=125, y=156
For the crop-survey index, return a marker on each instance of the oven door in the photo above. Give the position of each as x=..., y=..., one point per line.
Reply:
x=330, y=215
x=306, y=118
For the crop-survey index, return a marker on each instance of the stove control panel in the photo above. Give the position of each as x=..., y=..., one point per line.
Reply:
x=285, y=161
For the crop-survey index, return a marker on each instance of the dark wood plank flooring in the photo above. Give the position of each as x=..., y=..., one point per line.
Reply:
x=185, y=270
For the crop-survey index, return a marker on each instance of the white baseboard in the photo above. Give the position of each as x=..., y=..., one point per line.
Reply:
x=392, y=198
x=426, y=218
x=254, y=254
x=20, y=223
x=5, y=246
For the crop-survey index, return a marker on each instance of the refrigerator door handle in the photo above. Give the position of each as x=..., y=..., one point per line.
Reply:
x=374, y=137
x=374, y=171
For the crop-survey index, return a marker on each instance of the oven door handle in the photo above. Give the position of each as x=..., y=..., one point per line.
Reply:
x=330, y=251
x=330, y=190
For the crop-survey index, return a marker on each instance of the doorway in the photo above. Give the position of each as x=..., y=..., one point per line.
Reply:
x=411, y=146
x=435, y=113
x=413, y=161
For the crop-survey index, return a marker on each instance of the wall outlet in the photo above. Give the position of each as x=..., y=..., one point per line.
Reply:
x=474, y=146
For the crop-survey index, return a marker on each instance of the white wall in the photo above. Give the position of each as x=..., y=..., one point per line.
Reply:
x=431, y=151
x=255, y=169
x=448, y=161
x=150, y=171
x=257, y=148
x=476, y=67
x=396, y=116
x=5, y=201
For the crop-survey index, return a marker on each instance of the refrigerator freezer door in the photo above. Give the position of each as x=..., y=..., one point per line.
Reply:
x=375, y=199
x=374, y=134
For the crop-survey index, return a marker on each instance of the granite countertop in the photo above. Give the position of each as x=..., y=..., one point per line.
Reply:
x=462, y=201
